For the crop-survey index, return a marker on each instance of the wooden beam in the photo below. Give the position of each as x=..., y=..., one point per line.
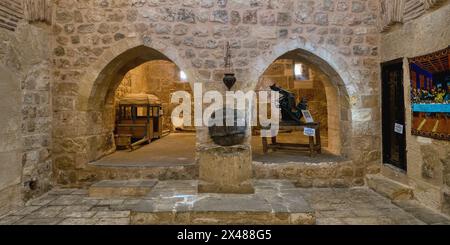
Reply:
x=441, y=63
x=434, y=68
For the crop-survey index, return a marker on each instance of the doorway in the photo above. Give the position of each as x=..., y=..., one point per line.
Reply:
x=393, y=111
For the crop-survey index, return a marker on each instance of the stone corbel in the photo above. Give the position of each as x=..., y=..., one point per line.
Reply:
x=402, y=11
x=38, y=11
x=391, y=12
x=428, y=4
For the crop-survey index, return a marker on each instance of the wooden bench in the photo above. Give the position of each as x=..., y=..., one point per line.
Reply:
x=314, y=147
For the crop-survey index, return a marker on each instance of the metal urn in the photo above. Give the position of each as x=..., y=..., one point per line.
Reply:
x=226, y=134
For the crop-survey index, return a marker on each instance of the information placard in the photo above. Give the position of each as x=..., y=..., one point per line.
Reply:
x=398, y=128
x=309, y=132
x=307, y=115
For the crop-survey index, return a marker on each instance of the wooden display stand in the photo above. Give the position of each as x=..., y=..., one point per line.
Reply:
x=314, y=147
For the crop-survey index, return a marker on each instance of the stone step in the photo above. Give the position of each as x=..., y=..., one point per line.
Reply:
x=389, y=188
x=121, y=188
x=216, y=217
x=423, y=213
x=275, y=202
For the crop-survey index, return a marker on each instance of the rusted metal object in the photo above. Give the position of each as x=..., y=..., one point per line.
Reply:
x=229, y=79
x=228, y=134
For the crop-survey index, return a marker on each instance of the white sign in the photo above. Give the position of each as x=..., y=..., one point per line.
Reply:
x=398, y=128
x=309, y=132
x=307, y=116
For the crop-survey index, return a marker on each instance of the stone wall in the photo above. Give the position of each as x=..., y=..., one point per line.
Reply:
x=428, y=159
x=161, y=78
x=94, y=43
x=25, y=163
x=98, y=41
x=125, y=87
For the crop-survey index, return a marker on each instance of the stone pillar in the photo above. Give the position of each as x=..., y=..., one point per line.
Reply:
x=226, y=170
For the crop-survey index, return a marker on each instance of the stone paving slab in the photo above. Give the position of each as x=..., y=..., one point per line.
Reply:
x=126, y=183
x=7, y=220
x=46, y=212
x=43, y=200
x=327, y=206
x=121, y=188
x=232, y=203
x=113, y=221
x=65, y=200
x=39, y=221
x=79, y=221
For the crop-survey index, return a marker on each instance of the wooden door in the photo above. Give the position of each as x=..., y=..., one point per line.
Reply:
x=393, y=111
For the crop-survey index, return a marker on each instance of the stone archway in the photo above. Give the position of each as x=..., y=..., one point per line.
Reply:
x=87, y=132
x=339, y=85
x=125, y=54
x=336, y=66
x=96, y=96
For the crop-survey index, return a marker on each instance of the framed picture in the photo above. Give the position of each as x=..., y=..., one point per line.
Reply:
x=430, y=95
x=308, y=117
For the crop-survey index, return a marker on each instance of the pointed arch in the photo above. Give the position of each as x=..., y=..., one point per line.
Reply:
x=106, y=73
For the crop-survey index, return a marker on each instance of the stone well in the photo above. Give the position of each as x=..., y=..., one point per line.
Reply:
x=225, y=169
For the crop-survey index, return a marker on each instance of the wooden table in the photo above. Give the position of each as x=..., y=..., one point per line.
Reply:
x=314, y=147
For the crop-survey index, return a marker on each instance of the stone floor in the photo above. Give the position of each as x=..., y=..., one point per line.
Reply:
x=173, y=150
x=357, y=206
x=178, y=149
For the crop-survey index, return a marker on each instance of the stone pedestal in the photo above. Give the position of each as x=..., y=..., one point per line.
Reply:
x=226, y=170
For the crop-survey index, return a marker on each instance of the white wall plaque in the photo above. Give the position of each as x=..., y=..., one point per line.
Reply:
x=398, y=128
